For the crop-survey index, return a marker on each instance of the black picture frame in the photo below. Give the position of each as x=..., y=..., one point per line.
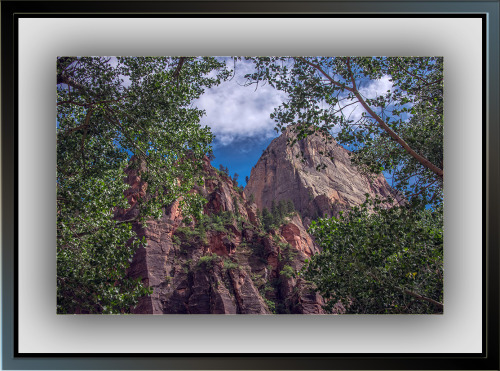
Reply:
x=12, y=11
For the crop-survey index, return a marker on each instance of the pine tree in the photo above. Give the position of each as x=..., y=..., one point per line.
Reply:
x=267, y=219
x=282, y=210
x=224, y=169
x=274, y=210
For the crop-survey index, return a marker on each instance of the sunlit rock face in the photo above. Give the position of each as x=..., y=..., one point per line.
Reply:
x=230, y=266
x=226, y=262
x=297, y=173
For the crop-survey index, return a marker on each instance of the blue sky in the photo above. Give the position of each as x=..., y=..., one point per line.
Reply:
x=239, y=118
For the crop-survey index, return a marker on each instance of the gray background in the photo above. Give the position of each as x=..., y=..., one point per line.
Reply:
x=458, y=40
x=41, y=330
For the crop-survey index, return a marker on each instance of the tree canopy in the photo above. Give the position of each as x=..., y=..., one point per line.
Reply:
x=399, y=131
x=380, y=260
x=374, y=259
x=108, y=110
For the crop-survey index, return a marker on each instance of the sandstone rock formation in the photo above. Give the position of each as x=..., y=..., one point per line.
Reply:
x=223, y=264
x=227, y=262
x=296, y=173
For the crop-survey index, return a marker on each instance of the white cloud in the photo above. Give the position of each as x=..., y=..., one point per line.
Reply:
x=235, y=112
x=377, y=87
x=371, y=90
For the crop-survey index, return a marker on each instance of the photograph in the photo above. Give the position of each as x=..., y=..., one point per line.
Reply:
x=250, y=185
x=261, y=185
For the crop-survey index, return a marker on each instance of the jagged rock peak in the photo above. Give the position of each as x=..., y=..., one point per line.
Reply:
x=316, y=174
x=223, y=263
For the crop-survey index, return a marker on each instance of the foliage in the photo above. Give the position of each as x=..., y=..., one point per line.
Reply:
x=384, y=260
x=380, y=260
x=109, y=109
x=287, y=253
x=186, y=236
x=266, y=219
x=287, y=271
x=229, y=264
x=224, y=170
x=217, y=222
x=235, y=179
x=208, y=260
x=196, y=235
x=270, y=304
x=251, y=198
x=400, y=131
x=276, y=217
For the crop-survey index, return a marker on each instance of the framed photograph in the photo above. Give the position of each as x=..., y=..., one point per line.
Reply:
x=237, y=271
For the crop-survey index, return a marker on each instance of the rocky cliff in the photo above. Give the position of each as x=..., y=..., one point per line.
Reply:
x=224, y=263
x=317, y=175
x=230, y=261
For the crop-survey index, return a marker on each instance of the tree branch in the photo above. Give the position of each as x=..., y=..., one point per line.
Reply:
x=425, y=162
x=421, y=159
x=411, y=293
x=317, y=67
x=175, y=76
x=117, y=123
x=92, y=103
x=65, y=79
x=421, y=297
x=69, y=131
x=425, y=82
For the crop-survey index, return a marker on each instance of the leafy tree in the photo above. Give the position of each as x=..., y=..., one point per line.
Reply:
x=246, y=179
x=400, y=130
x=400, y=133
x=109, y=109
x=235, y=179
x=387, y=261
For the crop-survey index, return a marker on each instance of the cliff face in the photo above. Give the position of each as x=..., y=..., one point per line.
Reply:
x=227, y=262
x=296, y=173
x=224, y=263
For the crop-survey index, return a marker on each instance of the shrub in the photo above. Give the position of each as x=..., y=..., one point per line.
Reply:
x=270, y=304
x=229, y=264
x=208, y=260
x=288, y=271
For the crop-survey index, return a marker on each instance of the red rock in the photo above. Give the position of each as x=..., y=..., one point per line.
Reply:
x=245, y=270
x=281, y=175
x=296, y=235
